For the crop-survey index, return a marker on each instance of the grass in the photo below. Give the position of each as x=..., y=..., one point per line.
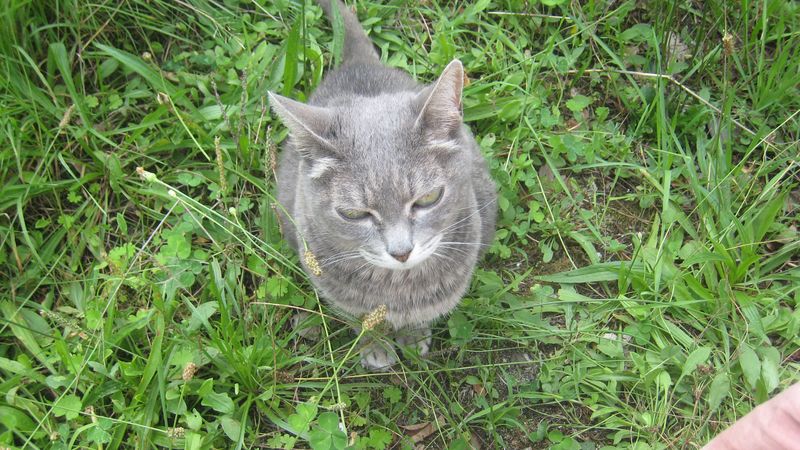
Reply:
x=643, y=290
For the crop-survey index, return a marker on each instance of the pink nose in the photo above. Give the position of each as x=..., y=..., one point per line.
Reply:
x=402, y=257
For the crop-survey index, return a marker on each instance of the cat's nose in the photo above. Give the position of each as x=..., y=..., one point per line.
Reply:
x=402, y=257
x=399, y=242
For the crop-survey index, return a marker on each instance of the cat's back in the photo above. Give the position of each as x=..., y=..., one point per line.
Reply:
x=362, y=80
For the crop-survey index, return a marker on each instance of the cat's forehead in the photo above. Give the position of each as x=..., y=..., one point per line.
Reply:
x=383, y=160
x=373, y=108
x=368, y=121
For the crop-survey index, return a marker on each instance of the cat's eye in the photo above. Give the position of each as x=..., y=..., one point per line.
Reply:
x=353, y=214
x=429, y=199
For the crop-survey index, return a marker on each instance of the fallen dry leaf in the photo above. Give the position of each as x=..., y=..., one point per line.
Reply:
x=418, y=432
x=415, y=427
x=353, y=437
x=474, y=442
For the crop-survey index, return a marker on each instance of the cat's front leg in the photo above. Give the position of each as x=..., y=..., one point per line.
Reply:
x=377, y=355
x=418, y=338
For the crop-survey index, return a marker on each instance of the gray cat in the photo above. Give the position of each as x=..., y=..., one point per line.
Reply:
x=386, y=186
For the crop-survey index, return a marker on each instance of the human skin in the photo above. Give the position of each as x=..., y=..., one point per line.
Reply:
x=773, y=425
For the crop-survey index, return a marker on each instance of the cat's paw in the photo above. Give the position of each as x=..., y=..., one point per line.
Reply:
x=419, y=339
x=377, y=356
x=303, y=324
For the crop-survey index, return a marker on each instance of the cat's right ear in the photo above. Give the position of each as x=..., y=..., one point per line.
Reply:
x=306, y=126
x=306, y=123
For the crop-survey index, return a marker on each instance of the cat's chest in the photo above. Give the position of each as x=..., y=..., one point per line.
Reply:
x=412, y=297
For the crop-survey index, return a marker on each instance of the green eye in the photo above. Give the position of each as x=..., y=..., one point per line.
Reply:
x=429, y=199
x=353, y=214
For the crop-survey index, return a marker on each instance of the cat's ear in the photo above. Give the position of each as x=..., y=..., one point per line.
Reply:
x=306, y=126
x=305, y=122
x=440, y=115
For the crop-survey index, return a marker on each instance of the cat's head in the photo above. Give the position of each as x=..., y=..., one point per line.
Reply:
x=387, y=177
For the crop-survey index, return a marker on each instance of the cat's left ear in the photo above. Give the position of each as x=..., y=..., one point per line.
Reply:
x=440, y=116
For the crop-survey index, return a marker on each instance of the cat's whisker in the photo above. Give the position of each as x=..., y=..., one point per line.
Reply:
x=462, y=244
x=481, y=244
x=458, y=234
x=337, y=260
x=340, y=255
x=348, y=258
x=460, y=251
x=468, y=216
x=455, y=247
x=465, y=208
x=334, y=256
x=358, y=269
x=451, y=258
x=370, y=258
x=440, y=255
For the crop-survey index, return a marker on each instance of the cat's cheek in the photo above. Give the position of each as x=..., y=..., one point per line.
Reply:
x=362, y=236
x=433, y=221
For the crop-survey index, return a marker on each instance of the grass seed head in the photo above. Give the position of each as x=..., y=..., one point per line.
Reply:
x=273, y=160
x=67, y=116
x=728, y=45
x=189, y=371
x=274, y=208
x=283, y=376
x=338, y=407
x=311, y=263
x=221, y=106
x=223, y=184
x=375, y=318
x=65, y=323
x=176, y=433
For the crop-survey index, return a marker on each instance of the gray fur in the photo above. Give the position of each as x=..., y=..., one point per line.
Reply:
x=371, y=138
